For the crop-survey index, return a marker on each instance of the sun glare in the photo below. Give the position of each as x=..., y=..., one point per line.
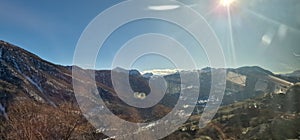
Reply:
x=226, y=3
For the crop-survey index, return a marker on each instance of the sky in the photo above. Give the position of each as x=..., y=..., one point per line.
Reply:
x=262, y=33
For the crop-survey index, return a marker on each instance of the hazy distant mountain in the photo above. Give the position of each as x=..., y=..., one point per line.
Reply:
x=161, y=72
x=294, y=74
x=148, y=75
x=241, y=83
x=292, y=77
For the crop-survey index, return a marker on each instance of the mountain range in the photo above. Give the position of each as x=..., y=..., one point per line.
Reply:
x=25, y=77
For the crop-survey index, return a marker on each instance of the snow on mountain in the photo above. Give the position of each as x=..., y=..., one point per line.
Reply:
x=161, y=72
x=3, y=111
x=25, y=75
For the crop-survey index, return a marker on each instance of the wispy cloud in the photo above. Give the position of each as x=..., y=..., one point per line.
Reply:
x=163, y=7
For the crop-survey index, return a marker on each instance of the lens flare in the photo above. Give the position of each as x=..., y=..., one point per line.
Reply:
x=226, y=3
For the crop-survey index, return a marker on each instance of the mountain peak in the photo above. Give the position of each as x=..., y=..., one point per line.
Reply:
x=252, y=70
x=130, y=72
x=10, y=47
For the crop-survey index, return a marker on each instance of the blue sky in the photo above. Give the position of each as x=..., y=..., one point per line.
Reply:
x=262, y=32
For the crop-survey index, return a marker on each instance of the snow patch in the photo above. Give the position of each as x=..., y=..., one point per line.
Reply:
x=2, y=111
x=34, y=83
x=0, y=53
x=40, y=89
x=17, y=67
x=35, y=96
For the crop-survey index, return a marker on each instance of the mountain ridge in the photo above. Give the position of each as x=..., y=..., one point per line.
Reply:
x=22, y=64
x=27, y=77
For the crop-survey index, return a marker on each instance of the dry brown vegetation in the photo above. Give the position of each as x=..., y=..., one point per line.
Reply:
x=35, y=121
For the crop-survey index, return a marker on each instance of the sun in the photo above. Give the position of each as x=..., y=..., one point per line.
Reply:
x=226, y=3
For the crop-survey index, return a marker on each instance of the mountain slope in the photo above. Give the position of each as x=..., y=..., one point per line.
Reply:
x=25, y=76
